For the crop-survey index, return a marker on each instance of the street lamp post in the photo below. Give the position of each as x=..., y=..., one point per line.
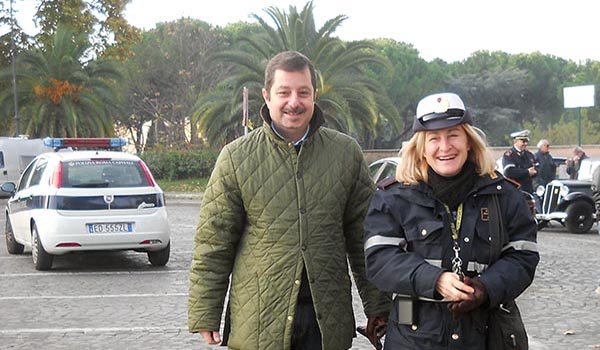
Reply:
x=14, y=70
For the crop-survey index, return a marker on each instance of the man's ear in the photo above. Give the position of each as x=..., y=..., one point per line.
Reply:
x=265, y=95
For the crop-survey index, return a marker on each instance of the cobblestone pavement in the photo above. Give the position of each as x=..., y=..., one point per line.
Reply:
x=117, y=300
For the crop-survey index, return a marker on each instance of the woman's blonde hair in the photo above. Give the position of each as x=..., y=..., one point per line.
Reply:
x=413, y=166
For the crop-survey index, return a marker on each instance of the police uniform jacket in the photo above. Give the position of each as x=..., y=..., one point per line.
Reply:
x=408, y=244
x=515, y=164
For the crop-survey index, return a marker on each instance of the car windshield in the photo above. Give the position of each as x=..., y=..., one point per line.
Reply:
x=103, y=173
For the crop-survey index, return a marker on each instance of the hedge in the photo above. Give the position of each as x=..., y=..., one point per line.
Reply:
x=180, y=164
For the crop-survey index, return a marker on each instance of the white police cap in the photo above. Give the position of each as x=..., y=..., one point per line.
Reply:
x=521, y=135
x=440, y=111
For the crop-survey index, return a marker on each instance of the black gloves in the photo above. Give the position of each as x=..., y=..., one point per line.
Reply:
x=478, y=298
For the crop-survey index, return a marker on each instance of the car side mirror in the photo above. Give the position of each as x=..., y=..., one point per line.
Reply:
x=8, y=187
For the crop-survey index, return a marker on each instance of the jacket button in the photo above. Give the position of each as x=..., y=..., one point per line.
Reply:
x=303, y=247
x=423, y=232
x=467, y=239
x=290, y=318
x=498, y=187
x=455, y=336
x=414, y=327
x=302, y=211
x=319, y=316
x=297, y=281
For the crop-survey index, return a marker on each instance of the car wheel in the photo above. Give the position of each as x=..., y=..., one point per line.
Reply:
x=160, y=257
x=579, y=217
x=12, y=245
x=41, y=259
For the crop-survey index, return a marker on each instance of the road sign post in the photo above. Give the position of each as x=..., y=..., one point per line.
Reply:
x=579, y=97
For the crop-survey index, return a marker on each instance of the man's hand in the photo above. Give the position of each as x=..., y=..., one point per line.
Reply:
x=211, y=337
x=376, y=327
x=479, y=297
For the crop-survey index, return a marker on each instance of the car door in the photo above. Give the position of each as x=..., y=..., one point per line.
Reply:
x=26, y=199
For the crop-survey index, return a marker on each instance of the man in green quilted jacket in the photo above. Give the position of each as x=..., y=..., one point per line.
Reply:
x=280, y=220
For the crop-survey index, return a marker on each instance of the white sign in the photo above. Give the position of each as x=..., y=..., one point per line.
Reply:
x=579, y=96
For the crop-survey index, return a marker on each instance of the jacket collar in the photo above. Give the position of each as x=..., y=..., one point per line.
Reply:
x=316, y=121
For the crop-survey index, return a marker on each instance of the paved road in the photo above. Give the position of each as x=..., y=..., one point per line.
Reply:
x=118, y=301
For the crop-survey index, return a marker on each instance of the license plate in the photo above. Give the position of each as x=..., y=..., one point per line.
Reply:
x=113, y=227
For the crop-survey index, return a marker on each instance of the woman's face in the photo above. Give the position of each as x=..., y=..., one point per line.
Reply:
x=446, y=150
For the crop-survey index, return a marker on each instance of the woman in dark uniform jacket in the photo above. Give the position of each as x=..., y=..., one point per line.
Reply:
x=427, y=234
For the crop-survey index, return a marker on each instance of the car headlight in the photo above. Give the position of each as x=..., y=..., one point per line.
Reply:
x=540, y=190
x=564, y=190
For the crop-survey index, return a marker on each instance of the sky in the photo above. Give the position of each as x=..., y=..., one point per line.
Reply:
x=448, y=29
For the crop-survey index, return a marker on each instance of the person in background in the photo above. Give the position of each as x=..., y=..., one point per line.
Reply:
x=280, y=220
x=518, y=163
x=574, y=163
x=546, y=168
x=428, y=234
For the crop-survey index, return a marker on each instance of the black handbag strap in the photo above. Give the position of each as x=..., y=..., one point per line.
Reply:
x=496, y=229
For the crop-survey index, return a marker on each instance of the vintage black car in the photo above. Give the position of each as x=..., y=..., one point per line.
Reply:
x=568, y=201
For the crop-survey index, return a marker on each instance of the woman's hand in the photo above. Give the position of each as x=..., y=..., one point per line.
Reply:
x=451, y=288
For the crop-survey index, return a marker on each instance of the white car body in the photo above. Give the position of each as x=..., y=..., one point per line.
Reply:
x=83, y=217
x=382, y=168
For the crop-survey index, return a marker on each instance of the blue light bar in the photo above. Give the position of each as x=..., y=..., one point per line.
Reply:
x=102, y=143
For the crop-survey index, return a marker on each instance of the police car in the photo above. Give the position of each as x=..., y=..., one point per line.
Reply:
x=81, y=200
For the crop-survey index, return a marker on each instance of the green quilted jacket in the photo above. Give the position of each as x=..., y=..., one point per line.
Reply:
x=266, y=212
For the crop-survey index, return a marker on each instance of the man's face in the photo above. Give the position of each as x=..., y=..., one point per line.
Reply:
x=545, y=148
x=291, y=102
x=521, y=144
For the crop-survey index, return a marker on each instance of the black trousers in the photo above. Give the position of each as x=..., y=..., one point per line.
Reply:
x=306, y=334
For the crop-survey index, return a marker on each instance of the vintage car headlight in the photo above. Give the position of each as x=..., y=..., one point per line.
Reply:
x=564, y=190
x=539, y=191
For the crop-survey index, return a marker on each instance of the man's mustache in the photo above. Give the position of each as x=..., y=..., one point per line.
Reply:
x=298, y=110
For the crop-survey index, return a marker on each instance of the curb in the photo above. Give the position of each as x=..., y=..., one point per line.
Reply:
x=195, y=196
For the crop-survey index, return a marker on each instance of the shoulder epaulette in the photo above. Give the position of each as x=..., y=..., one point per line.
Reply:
x=513, y=182
x=508, y=153
x=387, y=182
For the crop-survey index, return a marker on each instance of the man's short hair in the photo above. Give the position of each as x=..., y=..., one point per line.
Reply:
x=289, y=61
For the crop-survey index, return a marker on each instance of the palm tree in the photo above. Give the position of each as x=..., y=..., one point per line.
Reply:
x=59, y=93
x=352, y=101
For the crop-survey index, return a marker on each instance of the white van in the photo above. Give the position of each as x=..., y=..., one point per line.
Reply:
x=16, y=153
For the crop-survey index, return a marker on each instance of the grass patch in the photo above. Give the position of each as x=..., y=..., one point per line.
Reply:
x=184, y=185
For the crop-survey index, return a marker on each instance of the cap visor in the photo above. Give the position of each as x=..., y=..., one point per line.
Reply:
x=441, y=123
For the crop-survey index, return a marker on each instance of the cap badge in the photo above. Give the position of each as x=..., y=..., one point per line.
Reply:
x=442, y=105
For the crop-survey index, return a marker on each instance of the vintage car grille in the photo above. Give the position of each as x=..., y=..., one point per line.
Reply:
x=552, y=197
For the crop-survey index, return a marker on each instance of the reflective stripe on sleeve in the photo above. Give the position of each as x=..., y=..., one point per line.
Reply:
x=522, y=245
x=476, y=267
x=382, y=240
x=434, y=262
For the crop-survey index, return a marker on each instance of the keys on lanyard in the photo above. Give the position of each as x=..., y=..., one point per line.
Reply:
x=455, y=228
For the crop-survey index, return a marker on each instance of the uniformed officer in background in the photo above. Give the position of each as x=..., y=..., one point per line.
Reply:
x=518, y=163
